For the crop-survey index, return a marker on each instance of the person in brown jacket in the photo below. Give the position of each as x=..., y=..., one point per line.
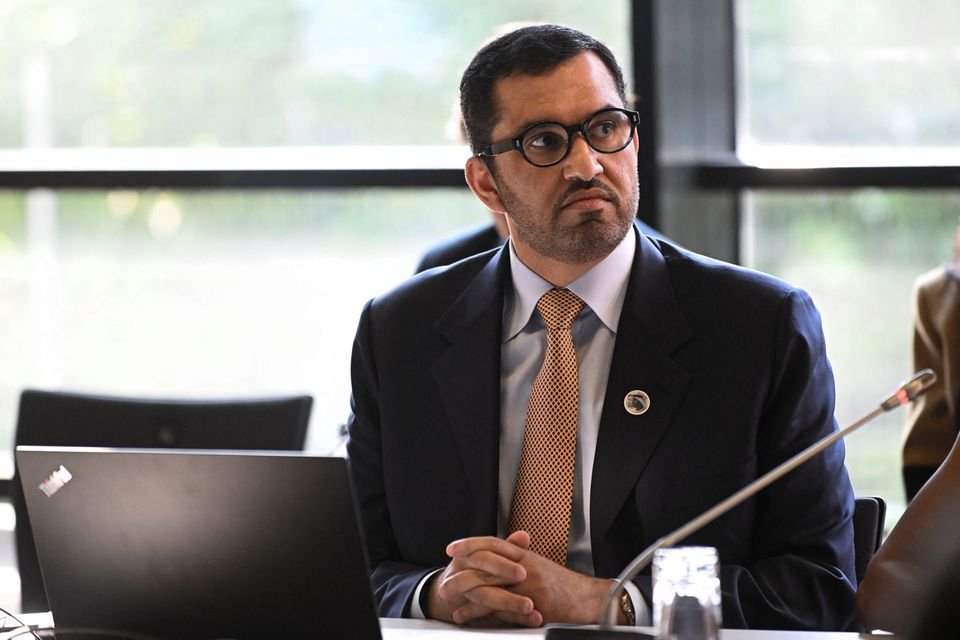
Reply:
x=932, y=421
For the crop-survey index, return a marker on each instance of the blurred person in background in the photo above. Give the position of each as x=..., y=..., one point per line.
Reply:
x=932, y=421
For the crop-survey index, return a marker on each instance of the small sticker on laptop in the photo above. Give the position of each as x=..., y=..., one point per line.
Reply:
x=55, y=481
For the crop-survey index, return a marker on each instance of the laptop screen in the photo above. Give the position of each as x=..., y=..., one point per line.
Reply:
x=198, y=544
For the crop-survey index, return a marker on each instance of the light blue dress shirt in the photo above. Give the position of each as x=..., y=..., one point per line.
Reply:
x=603, y=289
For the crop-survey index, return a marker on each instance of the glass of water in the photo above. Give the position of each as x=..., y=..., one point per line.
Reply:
x=686, y=593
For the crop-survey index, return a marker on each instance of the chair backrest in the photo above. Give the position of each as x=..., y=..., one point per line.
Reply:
x=49, y=418
x=869, y=515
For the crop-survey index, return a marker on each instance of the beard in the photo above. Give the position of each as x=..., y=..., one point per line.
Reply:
x=590, y=238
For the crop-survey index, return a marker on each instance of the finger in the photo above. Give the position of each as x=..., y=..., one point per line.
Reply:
x=501, y=570
x=520, y=538
x=468, y=546
x=499, y=599
x=485, y=622
x=456, y=583
x=532, y=619
x=496, y=607
x=465, y=615
x=501, y=619
x=474, y=615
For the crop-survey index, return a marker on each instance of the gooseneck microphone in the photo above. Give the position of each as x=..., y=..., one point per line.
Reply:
x=908, y=391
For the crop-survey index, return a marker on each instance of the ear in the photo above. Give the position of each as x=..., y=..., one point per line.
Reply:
x=482, y=184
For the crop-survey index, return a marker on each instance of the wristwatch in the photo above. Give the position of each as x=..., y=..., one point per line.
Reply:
x=626, y=606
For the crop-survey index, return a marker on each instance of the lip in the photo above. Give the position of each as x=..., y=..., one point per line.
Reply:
x=588, y=199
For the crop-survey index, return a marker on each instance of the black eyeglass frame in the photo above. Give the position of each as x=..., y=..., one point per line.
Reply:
x=516, y=143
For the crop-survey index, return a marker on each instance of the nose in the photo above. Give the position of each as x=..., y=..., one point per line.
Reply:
x=582, y=161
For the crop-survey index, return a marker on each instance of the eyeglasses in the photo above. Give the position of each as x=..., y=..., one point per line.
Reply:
x=548, y=143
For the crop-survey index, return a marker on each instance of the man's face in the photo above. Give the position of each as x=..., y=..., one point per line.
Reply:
x=575, y=212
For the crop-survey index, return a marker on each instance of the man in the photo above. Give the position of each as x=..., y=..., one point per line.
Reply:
x=688, y=377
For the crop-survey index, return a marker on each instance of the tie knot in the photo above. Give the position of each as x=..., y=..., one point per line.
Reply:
x=559, y=308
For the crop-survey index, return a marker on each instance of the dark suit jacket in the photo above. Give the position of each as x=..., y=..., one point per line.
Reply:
x=467, y=244
x=735, y=367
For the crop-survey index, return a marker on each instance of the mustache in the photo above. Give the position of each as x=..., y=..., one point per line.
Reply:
x=583, y=185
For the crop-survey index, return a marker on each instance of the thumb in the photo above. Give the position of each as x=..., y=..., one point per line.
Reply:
x=520, y=538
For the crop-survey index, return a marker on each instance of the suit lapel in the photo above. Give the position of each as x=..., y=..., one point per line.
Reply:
x=651, y=328
x=467, y=376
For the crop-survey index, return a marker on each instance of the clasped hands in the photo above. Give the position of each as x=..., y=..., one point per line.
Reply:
x=493, y=582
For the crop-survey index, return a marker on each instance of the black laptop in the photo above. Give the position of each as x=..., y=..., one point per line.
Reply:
x=198, y=544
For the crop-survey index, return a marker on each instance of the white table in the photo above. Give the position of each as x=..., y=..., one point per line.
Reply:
x=396, y=629
x=403, y=629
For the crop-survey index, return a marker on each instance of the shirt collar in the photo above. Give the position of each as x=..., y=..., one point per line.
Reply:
x=603, y=288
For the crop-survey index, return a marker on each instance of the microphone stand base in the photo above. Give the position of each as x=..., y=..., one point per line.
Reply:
x=596, y=632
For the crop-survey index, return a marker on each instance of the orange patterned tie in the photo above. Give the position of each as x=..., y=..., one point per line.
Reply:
x=544, y=493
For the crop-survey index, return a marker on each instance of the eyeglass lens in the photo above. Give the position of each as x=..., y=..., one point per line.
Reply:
x=607, y=132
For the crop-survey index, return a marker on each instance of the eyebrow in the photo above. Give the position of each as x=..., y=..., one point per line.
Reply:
x=533, y=123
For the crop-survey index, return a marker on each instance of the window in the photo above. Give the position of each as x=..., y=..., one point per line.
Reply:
x=857, y=253
x=205, y=293
x=227, y=292
x=207, y=73
x=863, y=83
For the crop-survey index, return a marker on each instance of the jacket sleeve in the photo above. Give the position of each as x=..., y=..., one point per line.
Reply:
x=393, y=582
x=930, y=431
x=801, y=573
x=761, y=391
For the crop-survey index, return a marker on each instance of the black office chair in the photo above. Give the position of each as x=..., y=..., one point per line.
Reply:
x=48, y=418
x=869, y=515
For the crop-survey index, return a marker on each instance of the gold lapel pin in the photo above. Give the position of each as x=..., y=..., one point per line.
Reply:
x=636, y=402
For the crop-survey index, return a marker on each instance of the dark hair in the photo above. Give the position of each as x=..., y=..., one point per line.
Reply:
x=532, y=50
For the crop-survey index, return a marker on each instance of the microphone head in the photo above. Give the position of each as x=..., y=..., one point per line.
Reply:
x=910, y=389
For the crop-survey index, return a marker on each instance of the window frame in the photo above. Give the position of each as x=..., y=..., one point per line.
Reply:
x=684, y=75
